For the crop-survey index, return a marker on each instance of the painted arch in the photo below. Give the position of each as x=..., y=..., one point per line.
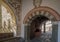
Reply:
x=46, y=11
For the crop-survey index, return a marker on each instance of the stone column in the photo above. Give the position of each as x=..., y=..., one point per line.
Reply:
x=27, y=33
x=19, y=14
x=58, y=31
x=54, y=31
x=44, y=27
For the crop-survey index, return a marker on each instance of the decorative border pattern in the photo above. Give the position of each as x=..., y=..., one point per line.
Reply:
x=49, y=12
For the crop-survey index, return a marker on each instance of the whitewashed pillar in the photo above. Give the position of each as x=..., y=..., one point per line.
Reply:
x=59, y=31
x=54, y=31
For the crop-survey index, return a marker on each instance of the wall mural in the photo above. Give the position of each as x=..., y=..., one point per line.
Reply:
x=16, y=6
x=8, y=21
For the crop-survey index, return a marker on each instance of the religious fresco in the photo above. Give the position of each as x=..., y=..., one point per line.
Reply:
x=8, y=21
x=16, y=6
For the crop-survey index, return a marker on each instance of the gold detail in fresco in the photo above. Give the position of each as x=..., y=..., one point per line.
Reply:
x=8, y=23
x=16, y=5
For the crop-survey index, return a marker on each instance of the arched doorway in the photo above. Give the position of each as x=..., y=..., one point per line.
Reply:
x=37, y=23
x=36, y=17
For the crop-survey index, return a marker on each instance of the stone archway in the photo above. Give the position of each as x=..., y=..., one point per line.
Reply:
x=48, y=12
x=42, y=9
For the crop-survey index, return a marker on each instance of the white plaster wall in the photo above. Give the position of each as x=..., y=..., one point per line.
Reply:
x=55, y=4
x=27, y=5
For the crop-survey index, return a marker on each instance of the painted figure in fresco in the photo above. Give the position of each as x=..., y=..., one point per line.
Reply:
x=37, y=34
